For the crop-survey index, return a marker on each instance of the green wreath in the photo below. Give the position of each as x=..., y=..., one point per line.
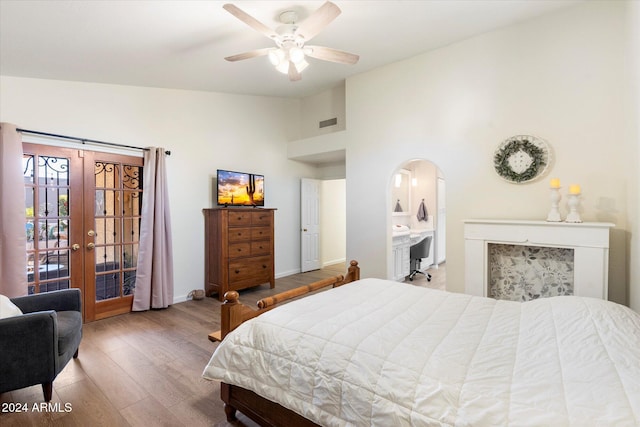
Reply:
x=501, y=160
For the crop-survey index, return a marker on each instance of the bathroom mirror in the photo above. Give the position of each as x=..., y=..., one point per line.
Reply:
x=401, y=192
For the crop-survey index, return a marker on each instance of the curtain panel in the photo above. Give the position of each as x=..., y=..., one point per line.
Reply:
x=13, y=238
x=154, y=277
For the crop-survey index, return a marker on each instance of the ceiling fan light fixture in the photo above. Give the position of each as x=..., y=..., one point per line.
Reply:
x=277, y=57
x=296, y=55
x=300, y=66
x=283, y=67
x=289, y=55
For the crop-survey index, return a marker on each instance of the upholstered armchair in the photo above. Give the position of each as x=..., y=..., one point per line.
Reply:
x=36, y=345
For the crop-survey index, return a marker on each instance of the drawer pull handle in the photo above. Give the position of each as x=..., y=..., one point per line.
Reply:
x=237, y=271
x=239, y=250
x=264, y=266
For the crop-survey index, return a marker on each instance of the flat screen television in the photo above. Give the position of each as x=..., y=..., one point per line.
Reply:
x=240, y=188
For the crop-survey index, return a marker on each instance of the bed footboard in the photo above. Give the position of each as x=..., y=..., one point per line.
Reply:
x=259, y=409
x=234, y=313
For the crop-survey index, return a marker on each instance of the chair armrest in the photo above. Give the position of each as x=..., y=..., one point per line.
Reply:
x=29, y=346
x=62, y=300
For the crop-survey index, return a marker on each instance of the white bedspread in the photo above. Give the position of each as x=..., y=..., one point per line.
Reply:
x=382, y=353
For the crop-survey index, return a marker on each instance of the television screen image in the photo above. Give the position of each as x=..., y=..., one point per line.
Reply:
x=240, y=189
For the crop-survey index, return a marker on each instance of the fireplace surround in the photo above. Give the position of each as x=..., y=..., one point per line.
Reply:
x=582, y=253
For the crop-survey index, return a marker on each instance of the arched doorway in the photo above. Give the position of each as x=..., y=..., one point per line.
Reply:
x=418, y=213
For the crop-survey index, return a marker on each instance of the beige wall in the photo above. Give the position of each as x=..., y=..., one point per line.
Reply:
x=559, y=77
x=633, y=128
x=323, y=106
x=333, y=218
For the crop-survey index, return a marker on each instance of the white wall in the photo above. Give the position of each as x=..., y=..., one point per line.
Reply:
x=323, y=106
x=204, y=131
x=333, y=221
x=633, y=128
x=559, y=77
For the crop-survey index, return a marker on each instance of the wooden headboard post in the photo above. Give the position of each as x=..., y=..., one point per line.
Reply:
x=353, y=272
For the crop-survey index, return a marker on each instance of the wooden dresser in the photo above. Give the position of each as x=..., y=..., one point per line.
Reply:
x=238, y=249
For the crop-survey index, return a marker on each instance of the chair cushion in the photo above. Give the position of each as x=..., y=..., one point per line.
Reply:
x=69, y=331
x=7, y=308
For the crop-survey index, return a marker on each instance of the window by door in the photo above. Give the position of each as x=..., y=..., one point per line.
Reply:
x=82, y=219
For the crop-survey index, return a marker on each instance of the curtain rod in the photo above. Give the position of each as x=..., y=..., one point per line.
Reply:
x=84, y=140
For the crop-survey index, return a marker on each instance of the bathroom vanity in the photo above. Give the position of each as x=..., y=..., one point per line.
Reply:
x=402, y=239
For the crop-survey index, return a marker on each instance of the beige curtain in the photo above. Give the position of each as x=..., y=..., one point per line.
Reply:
x=13, y=238
x=154, y=277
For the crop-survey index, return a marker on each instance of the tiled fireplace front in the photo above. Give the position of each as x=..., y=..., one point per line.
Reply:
x=523, y=273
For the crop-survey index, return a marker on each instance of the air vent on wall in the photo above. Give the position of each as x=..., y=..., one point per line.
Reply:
x=328, y=122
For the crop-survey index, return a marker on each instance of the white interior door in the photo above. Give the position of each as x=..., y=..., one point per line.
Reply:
x=310, y=224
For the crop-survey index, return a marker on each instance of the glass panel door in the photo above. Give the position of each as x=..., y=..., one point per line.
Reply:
x=48, y=220
x=82, y=222
x=114, y=200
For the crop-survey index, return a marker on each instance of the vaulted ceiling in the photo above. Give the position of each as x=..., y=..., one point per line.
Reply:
x=182, y=44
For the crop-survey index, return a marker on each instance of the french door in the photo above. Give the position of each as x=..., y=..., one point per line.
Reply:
x=82, y=223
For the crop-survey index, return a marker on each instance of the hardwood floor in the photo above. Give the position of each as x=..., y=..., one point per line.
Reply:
x=438, y=278
x=144, y=369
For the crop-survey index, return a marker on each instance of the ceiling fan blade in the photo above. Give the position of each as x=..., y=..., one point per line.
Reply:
x=294, y=74
x=333, y=55
x=249, y=55
x=315, y=23
x=249, y=20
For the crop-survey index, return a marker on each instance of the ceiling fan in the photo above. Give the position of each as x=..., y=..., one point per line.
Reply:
x=290, y=38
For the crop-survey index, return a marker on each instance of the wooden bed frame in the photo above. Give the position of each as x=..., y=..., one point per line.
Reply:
x=233, y=313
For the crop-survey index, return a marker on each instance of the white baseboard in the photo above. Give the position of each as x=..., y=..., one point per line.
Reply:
x=180, y=298
x=287, y=273
x=333, y=261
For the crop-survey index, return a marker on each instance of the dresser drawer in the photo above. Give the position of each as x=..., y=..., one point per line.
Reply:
x=237, y=250
x=255, y=270
x=261, y=218
x=239, y=234
x=260, y=248
x=260, y=233
x=240, y=218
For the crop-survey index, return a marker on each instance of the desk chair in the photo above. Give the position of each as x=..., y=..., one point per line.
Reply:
x=417, y=252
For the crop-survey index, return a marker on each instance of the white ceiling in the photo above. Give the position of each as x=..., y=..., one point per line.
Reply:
x=181, y=44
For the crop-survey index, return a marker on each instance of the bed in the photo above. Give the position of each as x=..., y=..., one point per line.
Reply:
x=383, y=353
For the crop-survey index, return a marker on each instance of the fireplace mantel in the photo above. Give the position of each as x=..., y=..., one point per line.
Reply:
x=589, y=240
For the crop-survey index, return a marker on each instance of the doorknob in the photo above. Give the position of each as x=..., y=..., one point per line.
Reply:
x=304, y=229
x=91, y=233
x=91, y=245
x=75, y=247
